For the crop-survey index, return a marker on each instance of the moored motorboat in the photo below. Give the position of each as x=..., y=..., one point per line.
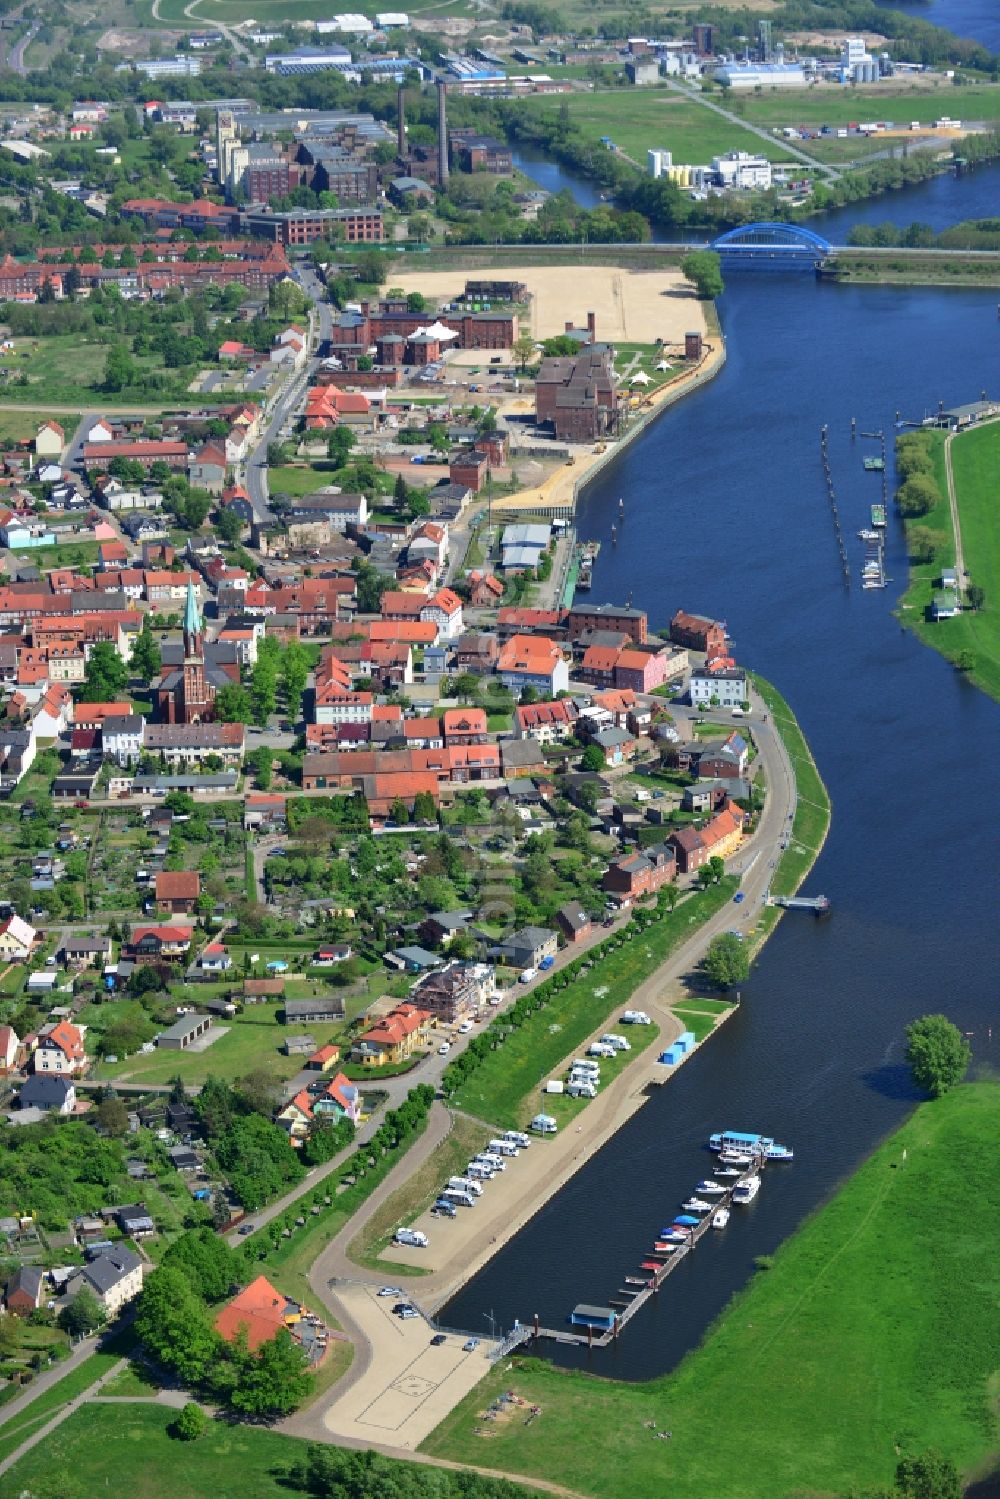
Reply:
x=726, y=1171
x=780, y=1153
x=695, y=1205
x=746, y=1190
x=733, y=1158
x=685, y=1220
x=710, y=1188
x=720, y=1218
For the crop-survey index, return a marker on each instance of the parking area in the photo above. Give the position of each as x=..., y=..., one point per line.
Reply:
x=410, y=1385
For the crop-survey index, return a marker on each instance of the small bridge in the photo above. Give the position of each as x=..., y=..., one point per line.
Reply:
x=772, y=247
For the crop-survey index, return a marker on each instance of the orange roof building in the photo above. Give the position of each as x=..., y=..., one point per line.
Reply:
x=260, y=1312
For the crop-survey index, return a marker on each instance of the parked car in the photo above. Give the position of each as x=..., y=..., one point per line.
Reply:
x=444, y=1048
x=389, y=1291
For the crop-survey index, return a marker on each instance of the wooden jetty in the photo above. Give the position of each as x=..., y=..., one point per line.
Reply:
x=637, y=1290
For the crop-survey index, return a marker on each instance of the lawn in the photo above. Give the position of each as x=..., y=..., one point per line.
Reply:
x=503, y=1089
x=639, y=119
x=53, y=1399
x=299, y=479
x=251, y=1043
x=975, y=458
x=466, y=1139
x=900, y=103
x=15, y=425
x=874, y=1333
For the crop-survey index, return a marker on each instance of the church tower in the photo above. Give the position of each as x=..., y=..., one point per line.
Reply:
x=196, y=701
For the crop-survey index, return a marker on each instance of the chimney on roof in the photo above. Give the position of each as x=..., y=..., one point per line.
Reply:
x=442, y=134
x=400, y=122
x=592, y=326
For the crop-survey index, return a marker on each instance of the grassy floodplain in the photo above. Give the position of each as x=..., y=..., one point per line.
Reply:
x=875, y=1332
x=975, y=457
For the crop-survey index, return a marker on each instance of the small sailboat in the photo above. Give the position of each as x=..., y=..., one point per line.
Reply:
x=614, y=535
x=720, y=1218
x=621, y=506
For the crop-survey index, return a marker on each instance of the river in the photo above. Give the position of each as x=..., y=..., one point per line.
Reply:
x=726, y=514
x=978, y=20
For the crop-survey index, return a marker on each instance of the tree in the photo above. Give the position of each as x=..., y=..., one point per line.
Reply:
x=119, y=370
x=190, y=1424
x=229, y=525
x=145, y=660
x=930, y=1476
x=921, y=543
x=262, y=764
x=206, y=1261
x=727, y=961
x=918, y=495
x=112, y=1116
x=339, y=445
x=416, y=302
x=703, y=268
x=523, y=350
x=172, y=1322
x=592, y=758
x=274, y=1381
x=561, y=345
x=232, y=704
x=83, y=1315
x=976, y=596
x=424, y=809
x=937, y=1052
x=106, y=677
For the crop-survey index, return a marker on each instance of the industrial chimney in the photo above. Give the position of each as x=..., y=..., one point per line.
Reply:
x=442, y=134
x=400, y=123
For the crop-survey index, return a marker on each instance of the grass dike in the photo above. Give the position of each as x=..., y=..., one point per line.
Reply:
x=873, y=1334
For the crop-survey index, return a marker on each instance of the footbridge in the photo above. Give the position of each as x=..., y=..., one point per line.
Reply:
x=772, y=247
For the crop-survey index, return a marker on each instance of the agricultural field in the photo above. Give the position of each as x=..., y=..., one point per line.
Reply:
x=640, y=119
x=901, y=103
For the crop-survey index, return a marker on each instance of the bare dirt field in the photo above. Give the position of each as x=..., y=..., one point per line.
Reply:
x=631, y=306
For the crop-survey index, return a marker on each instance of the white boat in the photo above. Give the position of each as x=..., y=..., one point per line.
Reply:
x=780, y=1153
x=711, y=1189
x=733, y=1158
x=726, y=1171
x=868, y=535
x=720, y=1218
x=746, y=1190
x=695, y=1205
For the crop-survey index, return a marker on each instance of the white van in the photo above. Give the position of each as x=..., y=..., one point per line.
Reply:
x=636, y=1017
x=581, y=1089
x=618, y=1043
x=516, y=1138
x=476, y=1171
x=502, y=1147
x=466, y=1184
x=459, y=1198
x=585, y=1065
x=528, y=975
x=494, y=1162
x=600, y=1049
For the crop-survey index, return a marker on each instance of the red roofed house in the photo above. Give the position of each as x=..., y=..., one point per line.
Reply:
x=177, y=891
x=150, y=944
x=642, y=671
x=485, y=591
x=533, y=661
x=17, y=937
x=393, y=1039
x=260, y=1312
x=325, y=1058
x=334, y=1100
x=60, y=1049
x=100, y=454
x=547, y=723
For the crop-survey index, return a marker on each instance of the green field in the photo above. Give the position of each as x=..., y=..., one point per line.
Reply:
x=975, y=457
x=900, y=103
x=503, y=1088
x=874, y=1334
x=23, y=424
x=251, y=1043
x=45, y=1405
x=638, y=119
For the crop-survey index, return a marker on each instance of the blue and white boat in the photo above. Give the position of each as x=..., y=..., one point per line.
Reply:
x=780, y=1153
x=740, y=1142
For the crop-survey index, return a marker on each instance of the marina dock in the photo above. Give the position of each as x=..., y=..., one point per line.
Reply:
x=598, y=1326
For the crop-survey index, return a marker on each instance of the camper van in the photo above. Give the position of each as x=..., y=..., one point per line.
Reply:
x=466, y=1184
x=503, y=1147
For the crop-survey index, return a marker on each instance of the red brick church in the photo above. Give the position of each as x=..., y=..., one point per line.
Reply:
x=186, y=692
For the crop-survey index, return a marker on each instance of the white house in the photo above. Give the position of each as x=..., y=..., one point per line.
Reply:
x=50, y=439
x=114, y=1276
x=60, y=1049
x=17, y=938
x=101, y=431
x=444, y=610
x=724, y=689
x=121, y=738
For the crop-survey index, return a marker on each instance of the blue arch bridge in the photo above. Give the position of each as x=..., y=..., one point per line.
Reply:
x=772, y=247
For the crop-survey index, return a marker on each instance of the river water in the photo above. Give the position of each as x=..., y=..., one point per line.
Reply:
x=726, y=514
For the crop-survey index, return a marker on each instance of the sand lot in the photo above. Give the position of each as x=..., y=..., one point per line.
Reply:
x=631, y=306
x=408, y=1387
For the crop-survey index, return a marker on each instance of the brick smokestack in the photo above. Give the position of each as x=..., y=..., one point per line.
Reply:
x=592, y=326
x=442, y=133
x=400, y=122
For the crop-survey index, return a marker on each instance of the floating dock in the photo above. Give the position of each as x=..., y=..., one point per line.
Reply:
x=818, y=904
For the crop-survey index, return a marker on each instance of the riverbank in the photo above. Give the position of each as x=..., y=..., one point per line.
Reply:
x=853, y=268
x=965, y=466
x=813, y=810
x=868, y=1285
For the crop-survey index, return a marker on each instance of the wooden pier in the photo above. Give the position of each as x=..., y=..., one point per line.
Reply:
x=832, y=497
x=637, y=1290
